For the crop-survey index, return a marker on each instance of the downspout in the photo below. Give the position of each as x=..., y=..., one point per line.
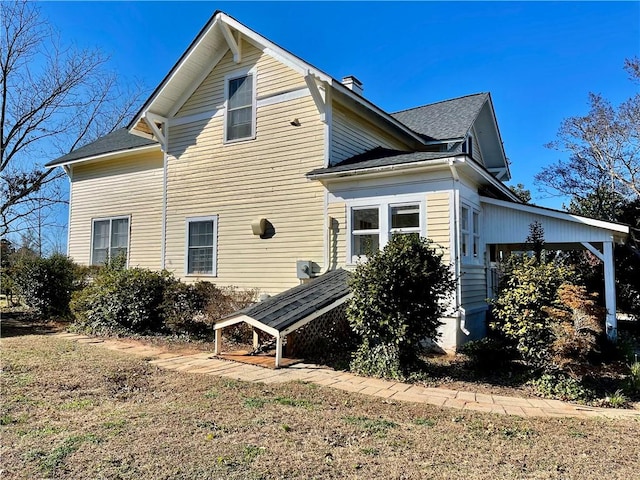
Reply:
x=165, y=163
x=456, y=243
x=326, y=237
x=69, y=170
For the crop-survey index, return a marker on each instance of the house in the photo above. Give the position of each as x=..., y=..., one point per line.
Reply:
x=248, y=166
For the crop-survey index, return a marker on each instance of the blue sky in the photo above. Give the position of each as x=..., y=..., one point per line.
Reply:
x=539, y=60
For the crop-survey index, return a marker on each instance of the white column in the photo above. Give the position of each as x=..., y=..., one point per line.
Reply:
x=256, y=339
x=610, y=291
x=278, y=350
x=218, y=341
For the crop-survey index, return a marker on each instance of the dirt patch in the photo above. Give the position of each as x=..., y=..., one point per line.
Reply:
x=76, y=411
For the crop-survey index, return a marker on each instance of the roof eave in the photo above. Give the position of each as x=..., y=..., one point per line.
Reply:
x=105, y=156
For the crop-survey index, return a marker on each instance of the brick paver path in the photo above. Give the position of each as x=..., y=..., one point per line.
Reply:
x=206, y=363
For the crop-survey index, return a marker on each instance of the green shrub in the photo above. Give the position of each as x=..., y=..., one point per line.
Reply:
x=398, y=298
x=46, y=284
x=562, y=387
x=527, y=291
x=121, y=298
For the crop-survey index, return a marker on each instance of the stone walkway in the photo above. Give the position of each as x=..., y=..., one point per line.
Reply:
x=206, y=363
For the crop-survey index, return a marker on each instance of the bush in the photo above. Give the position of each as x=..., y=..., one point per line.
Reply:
x=398, y=298
x=121, y=298
x=528, y=289
x=46, y=284
x=140, y=300
x=561, y=386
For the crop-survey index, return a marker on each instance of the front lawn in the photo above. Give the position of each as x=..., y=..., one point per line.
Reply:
x=78, y=411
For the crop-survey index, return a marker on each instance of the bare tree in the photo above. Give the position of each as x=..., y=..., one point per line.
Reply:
x=54, y=98
x=603, y=148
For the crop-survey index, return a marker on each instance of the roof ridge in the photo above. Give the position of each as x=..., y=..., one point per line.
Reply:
x=440, y=101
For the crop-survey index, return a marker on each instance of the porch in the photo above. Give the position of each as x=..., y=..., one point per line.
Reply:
x=506, y=226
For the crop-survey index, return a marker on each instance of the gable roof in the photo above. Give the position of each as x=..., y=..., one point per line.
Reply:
x=287, y=308
x=207, y=50
x=378, y=157
x=449, y=119
x=117, y=141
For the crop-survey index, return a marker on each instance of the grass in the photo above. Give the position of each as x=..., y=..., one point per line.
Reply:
x=132, y=420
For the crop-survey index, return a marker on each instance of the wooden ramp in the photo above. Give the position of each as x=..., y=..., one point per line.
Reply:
x=266, y=360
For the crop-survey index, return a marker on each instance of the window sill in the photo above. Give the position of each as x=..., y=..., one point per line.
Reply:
x=239, y=140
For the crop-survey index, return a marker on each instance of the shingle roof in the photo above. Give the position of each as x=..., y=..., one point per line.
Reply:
x=286, y=308
x=379, y=157
x=114, y=142
x=443, y=120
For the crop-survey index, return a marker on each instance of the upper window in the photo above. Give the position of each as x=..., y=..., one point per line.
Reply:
x=371, y=227
x=110, y=238
x=202, y=235
x=470, y=234
x=467, y=146
x=240, y=112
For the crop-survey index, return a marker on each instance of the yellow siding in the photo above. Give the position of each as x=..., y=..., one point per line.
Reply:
x=246, y=180
x=338, y=234
x=352, y=135
x=130, y=186
x=438, y=221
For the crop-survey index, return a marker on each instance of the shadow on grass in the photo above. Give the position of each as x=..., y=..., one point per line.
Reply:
x=20, y=323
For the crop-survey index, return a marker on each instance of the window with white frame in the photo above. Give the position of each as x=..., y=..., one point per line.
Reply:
x=202, y=233
x=371, y=226
x=470, y=234
x=240, y=113
x=109, y=239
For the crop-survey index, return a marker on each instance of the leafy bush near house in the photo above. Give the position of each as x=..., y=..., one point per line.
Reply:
x=46, y=284
x=561, y=387
x=121, y=298
x=398, y=298
x=139, y=300
x=192, y=309
x=528, y=289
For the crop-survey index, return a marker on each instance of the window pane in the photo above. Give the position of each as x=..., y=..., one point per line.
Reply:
x=405, y=217
x=406, y=234
x=119, y=234
x=100, y=242
x=240, y=92
x=201, y=260
x=476, y=222
x=239, y=123
x=365, y=219
x=476, y=246
x=465, y=245
x=365, y=244
x=201, y=234
x=464, y=219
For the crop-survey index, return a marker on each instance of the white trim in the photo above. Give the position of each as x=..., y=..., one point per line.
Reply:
x=150, y=119
x=254, y=79
x=316, y=95
x=615, y=227
x=193, y=86
x=165, y=169
x=233, y=44
x=282, y=97
x=105, y=156
x=214, y=266
x=594, y=250
x=244, y=318
x=422, y=165
x=111, y=219
x=176, y=72
x=328, y=126
x=69, y=171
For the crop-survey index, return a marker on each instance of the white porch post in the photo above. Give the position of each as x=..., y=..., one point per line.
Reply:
x=278, y=350
x=218, y=341
x=610, y=290
x=256, y=339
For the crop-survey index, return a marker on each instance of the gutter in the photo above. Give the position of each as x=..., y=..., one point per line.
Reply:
x=384, y=169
